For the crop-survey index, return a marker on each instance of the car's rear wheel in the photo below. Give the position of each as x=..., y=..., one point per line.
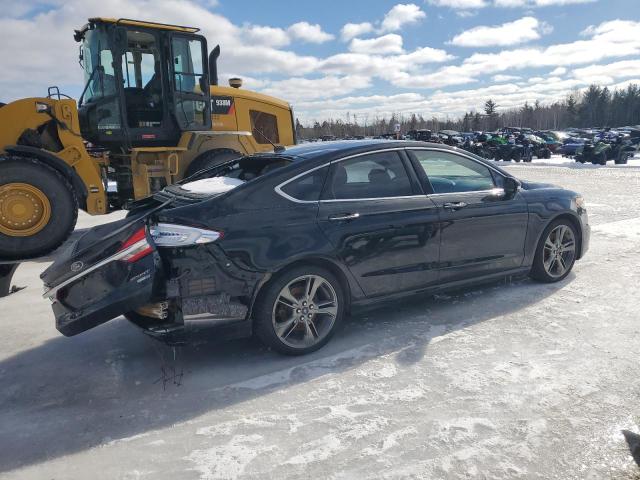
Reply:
x=299, y=311
x=556, y=252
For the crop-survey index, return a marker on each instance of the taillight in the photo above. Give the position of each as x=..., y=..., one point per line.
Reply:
x=135, y=247
x=172, y=235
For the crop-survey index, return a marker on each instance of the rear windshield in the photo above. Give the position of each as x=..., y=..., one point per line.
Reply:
x=217, y=181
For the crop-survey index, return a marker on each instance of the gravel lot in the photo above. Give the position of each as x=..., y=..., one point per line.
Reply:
x=507, y=381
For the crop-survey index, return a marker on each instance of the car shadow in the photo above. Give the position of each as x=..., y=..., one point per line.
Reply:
x=71, y=394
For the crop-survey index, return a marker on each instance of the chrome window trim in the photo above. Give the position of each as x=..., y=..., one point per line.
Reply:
x=279, y=191
x=278, y=188
x=372, y=199
x=51, y=293
x=496, y=191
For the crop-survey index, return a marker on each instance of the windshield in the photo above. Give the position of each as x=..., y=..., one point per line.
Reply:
x=99, y=75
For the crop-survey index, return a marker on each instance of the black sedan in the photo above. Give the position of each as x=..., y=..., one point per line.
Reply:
x=283, y=245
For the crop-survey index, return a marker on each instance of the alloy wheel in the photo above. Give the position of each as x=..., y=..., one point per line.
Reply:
x=305, y=311
x=559, y=251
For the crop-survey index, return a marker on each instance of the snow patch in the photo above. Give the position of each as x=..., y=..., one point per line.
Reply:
x=229, y=460
x=212, y=186
x=623, y=228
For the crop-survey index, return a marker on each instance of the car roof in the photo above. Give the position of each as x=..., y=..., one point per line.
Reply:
x=341, y=148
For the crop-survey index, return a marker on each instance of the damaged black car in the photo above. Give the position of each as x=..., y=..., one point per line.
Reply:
x=283, y=245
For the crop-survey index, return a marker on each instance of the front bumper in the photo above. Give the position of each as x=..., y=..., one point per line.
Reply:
x=586, y=233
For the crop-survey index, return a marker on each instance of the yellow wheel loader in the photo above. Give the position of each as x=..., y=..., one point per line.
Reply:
x=151, y=113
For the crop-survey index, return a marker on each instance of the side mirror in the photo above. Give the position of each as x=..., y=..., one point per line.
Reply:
x=511, y=186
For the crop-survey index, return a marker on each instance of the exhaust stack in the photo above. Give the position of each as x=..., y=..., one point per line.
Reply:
x=213, y=65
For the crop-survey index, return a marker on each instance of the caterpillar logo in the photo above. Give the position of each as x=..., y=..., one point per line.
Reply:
x=221, y=105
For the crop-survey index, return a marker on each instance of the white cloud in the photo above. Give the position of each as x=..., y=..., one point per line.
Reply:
x=266, y=36
x=299, y=89
x=463, y=4
x=351, y=30
x=475, y=4
x=277, y=37
x=390, y=43
x=607, y=74
x=613, y=39
x=558, y=71
x=386, y=67
x=538, y=3
x=505, y=78
x=309, y=33
x=401, y=14
x=510, y=33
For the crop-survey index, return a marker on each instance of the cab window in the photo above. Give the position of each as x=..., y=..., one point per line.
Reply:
x=264, y=127
x=377, y=175
x=142, y=81
x=190, y=101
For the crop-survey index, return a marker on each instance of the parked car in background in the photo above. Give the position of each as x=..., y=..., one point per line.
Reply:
x=284, y=245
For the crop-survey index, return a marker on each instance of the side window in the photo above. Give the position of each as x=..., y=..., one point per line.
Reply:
x=264, y=127
x=190, y=101
x=450, y=173
x=376, y=175
x=308, y=187
x=187, y=64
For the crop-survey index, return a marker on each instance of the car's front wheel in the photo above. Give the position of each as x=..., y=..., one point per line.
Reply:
x=299, y=310
x=556, y=252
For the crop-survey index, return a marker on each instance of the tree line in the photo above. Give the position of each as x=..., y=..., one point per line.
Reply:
x=595, y=106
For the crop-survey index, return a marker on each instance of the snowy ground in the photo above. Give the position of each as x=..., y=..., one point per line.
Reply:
x=509, y=381
x=559, y=160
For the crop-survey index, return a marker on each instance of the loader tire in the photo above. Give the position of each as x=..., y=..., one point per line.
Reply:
x=210, y=159
x=38, y=208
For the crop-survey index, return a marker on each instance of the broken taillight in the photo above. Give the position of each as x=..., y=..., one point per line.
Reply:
x=135, y=247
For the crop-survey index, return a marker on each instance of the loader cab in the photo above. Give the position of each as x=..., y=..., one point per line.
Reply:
x=145, y=83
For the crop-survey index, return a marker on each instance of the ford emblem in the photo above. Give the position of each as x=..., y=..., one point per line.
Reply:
x=77, y=266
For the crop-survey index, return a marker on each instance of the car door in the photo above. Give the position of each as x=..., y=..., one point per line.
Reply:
x=381, y=223
x=483, y=230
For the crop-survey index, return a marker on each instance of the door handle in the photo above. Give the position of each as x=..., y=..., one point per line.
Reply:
x=344, y=216
x=455, y=205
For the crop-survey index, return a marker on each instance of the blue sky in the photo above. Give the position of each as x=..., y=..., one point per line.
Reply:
x=369, y=58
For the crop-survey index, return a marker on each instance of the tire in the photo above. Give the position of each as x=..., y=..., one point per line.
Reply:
x=622, y=159
x=517, y=156
x=210, y=159
x=547, y=154
x=62, y=207
x=297, y=336
x=600, y=159
x=544, y=268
